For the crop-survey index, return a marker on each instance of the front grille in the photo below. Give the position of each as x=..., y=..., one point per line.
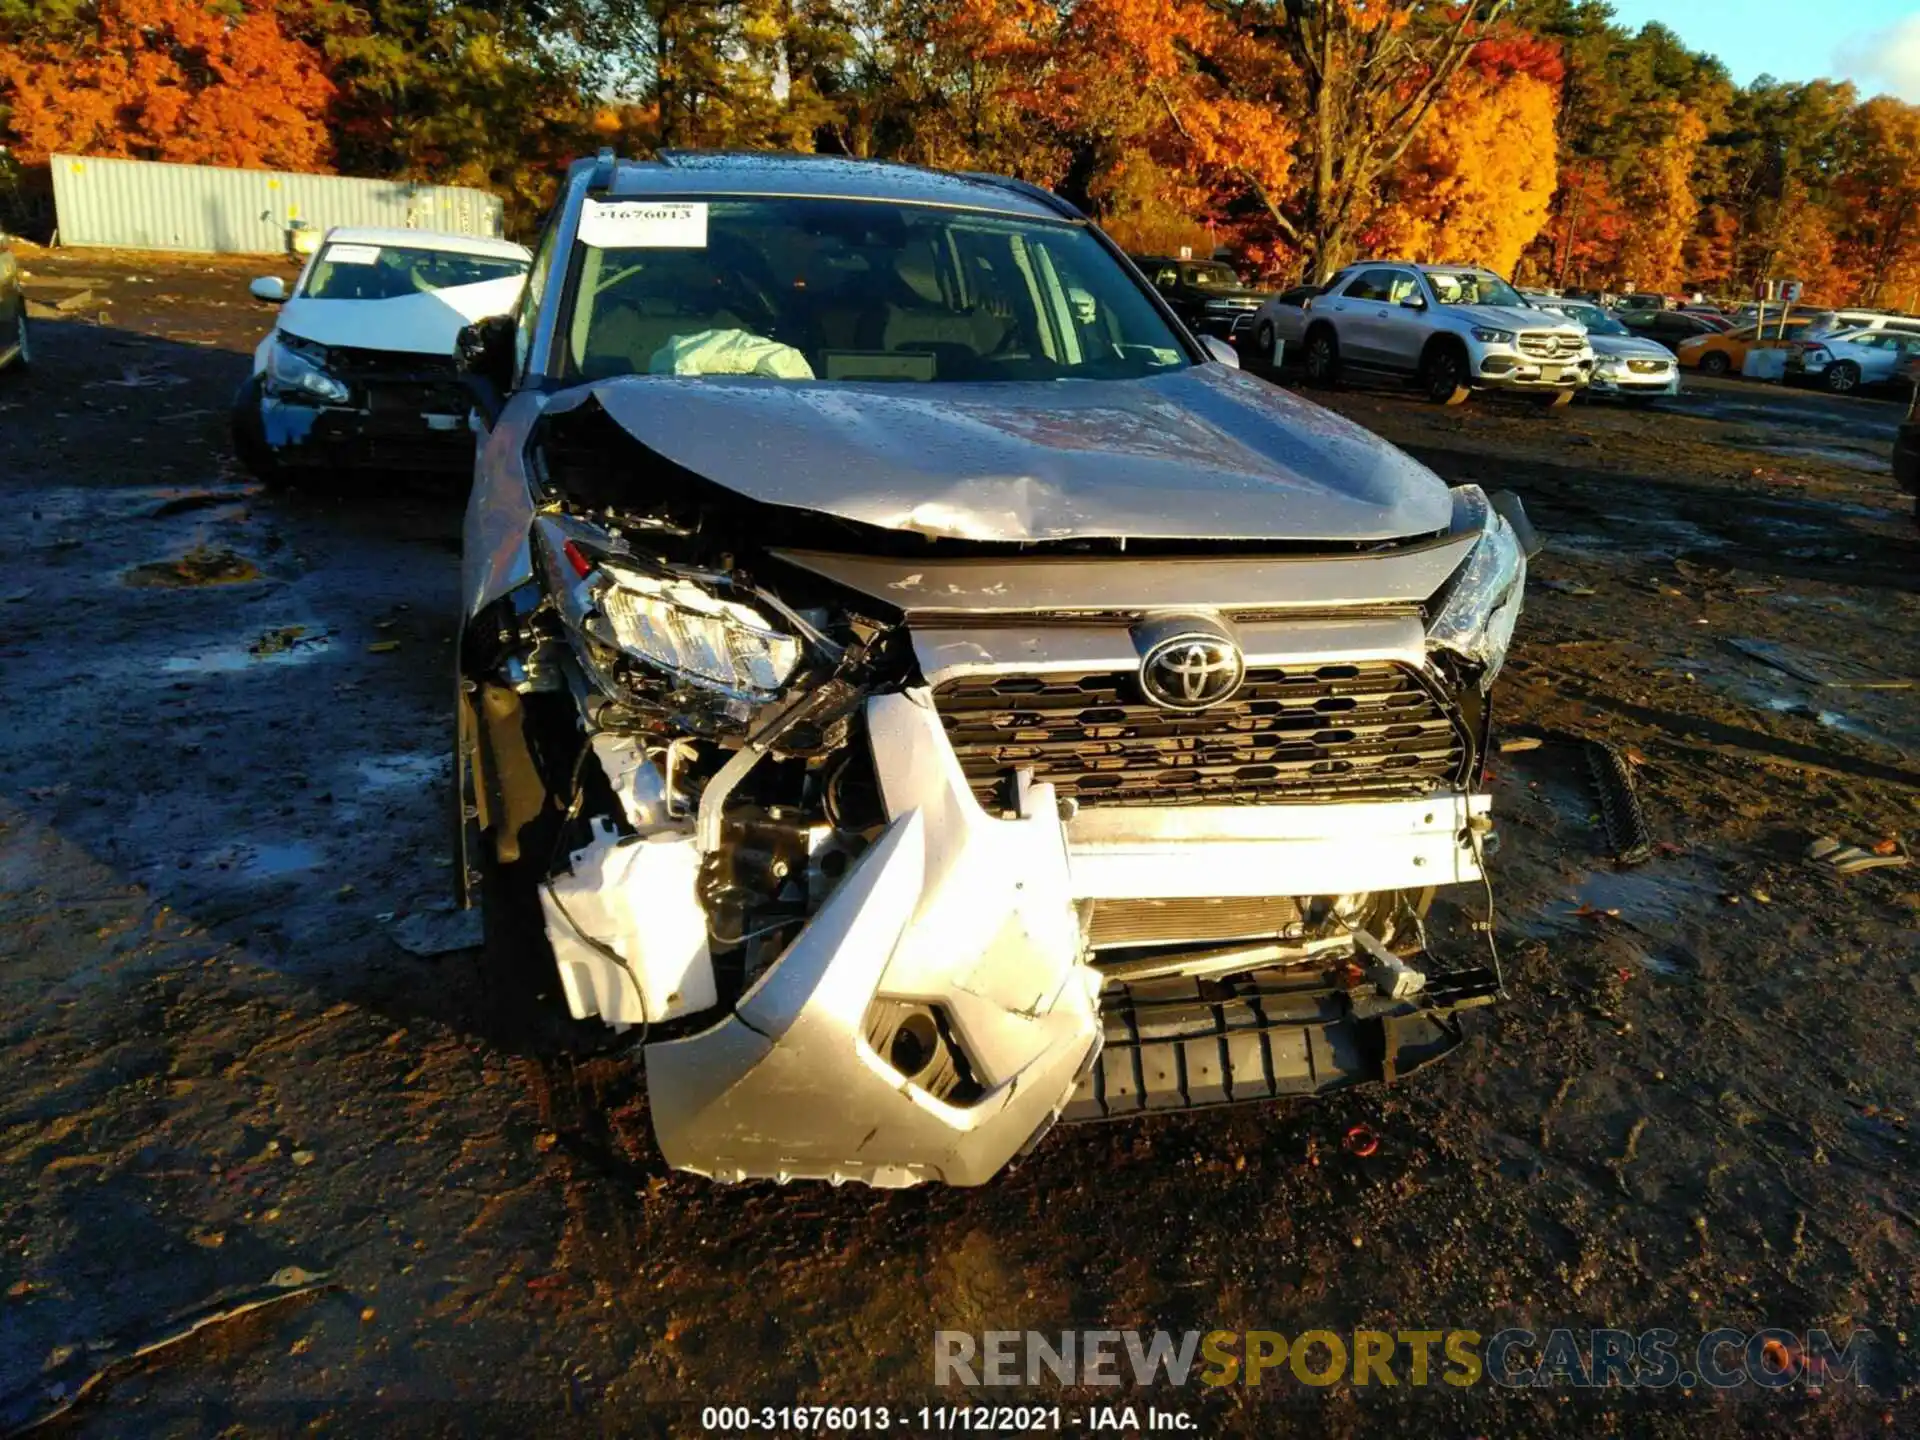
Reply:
x=1545, y=345
x=1364, y=729
x=1647, y=367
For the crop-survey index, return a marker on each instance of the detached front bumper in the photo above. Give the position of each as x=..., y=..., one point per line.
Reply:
x=979, y=925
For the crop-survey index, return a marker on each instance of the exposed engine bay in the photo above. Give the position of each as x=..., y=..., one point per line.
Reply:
x=899, y=847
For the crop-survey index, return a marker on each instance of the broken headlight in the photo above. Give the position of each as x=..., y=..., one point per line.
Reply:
x=678, y=627
x=676, y=624
x=1481, y=606
x=296, y=369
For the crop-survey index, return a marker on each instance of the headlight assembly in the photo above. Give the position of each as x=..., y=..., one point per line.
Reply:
x=296, y=368
x=676, y=626
x=673, y=624
x=1482, y=604
x=1487, y=336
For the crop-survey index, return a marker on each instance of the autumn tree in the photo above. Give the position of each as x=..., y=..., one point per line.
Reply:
x=1476, y=183
x=216, y=82
x=1877, y=188
x=1364, y=75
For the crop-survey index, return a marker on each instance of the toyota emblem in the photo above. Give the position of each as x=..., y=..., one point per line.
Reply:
x=1192, y=671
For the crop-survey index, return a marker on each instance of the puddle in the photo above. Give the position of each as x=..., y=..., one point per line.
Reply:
x=202, y=565
x=289, y=644
x=385, y=772
x=265, y=860
x=1648, y=900
x=1874, y=461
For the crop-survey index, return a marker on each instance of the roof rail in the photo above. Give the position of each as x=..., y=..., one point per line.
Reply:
x=1027, y=188
x=603, y=164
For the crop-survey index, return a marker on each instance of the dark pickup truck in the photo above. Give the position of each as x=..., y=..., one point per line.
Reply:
x=1208, y=294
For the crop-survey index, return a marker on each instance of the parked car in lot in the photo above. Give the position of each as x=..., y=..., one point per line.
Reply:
x=876, y=679
x=1279, y=324
x=1725, y=352
x=1906, y=444
x=1670, y=327
x=359, y=371
x=1625, y=366
x=1208, y=294
x=1453, y=329
x=1844, y=362
x=1641, y=301
x=15, y=349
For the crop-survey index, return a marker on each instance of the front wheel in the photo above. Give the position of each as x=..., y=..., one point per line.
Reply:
x=1554, y=399
x=250, y=446
x=1843, y=377
x=1323, y=358
x=1715, y=363
x=1446, y=377
x=1263, y=340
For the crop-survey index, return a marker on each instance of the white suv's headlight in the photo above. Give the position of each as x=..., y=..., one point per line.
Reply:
x=1483, y=601
x=297, y=368
x=1488, y=336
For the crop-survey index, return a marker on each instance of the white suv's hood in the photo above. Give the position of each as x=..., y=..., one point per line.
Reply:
x=423, y=324
x=1513, y=317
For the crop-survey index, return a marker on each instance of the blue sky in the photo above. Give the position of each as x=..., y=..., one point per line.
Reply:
x=1874, y=43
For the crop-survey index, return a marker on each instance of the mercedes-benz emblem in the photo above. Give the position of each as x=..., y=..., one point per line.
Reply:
x=1192, y=671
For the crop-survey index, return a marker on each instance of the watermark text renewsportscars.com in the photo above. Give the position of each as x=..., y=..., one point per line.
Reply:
x=1718, y=1360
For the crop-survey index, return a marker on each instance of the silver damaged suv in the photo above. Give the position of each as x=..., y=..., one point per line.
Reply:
x=1452, y=329
x=916, y=686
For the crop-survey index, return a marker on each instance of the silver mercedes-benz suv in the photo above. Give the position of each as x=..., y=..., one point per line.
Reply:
x=930, y=695
x=1453, y=329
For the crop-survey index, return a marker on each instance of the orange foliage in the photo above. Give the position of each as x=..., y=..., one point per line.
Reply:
x=1476, y=184
x=1662, y=205
x=179, y=80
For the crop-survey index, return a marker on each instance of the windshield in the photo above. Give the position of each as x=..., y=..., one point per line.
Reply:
x=1591, y=318
x=1472, y=287
x=1212, y=277
x=351, y=271
x=810, y=289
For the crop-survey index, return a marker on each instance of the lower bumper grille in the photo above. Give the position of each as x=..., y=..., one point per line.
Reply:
x=1184, y=1044
x=1366, y=729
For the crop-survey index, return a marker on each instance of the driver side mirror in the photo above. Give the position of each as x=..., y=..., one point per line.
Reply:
x=483, y=354
x=1413, y=302
x=269, y=289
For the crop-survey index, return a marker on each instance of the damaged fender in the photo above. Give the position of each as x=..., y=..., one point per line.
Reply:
x=950, y=910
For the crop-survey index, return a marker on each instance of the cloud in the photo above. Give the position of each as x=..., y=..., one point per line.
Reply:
x=1885, y=61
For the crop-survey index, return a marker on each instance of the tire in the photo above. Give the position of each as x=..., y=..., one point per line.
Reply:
x=1322, y=357
x=23, y=360
x=250, y=437
x=1554, y=399
x=1443, y=375
x=1842, y=378
x=1715, y=363
x=1263, y=339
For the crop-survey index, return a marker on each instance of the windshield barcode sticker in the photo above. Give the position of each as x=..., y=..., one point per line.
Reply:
x=644, y=224
x=353, y=254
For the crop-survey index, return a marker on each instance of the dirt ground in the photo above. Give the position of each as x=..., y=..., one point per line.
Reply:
x=223, y=764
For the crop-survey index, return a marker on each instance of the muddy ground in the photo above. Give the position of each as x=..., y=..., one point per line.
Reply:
x=222, y=773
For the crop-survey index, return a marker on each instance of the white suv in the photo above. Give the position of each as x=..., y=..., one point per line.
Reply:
x=1453, y=328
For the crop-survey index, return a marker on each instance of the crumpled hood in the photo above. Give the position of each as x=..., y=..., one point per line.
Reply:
x=1628, y=347
x=423, y=324
x=1203, y=453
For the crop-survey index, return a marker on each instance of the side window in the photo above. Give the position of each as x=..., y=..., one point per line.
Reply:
x=1166, y=278
x=1369, y=285
x=529, y=309
x=1402, y=287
